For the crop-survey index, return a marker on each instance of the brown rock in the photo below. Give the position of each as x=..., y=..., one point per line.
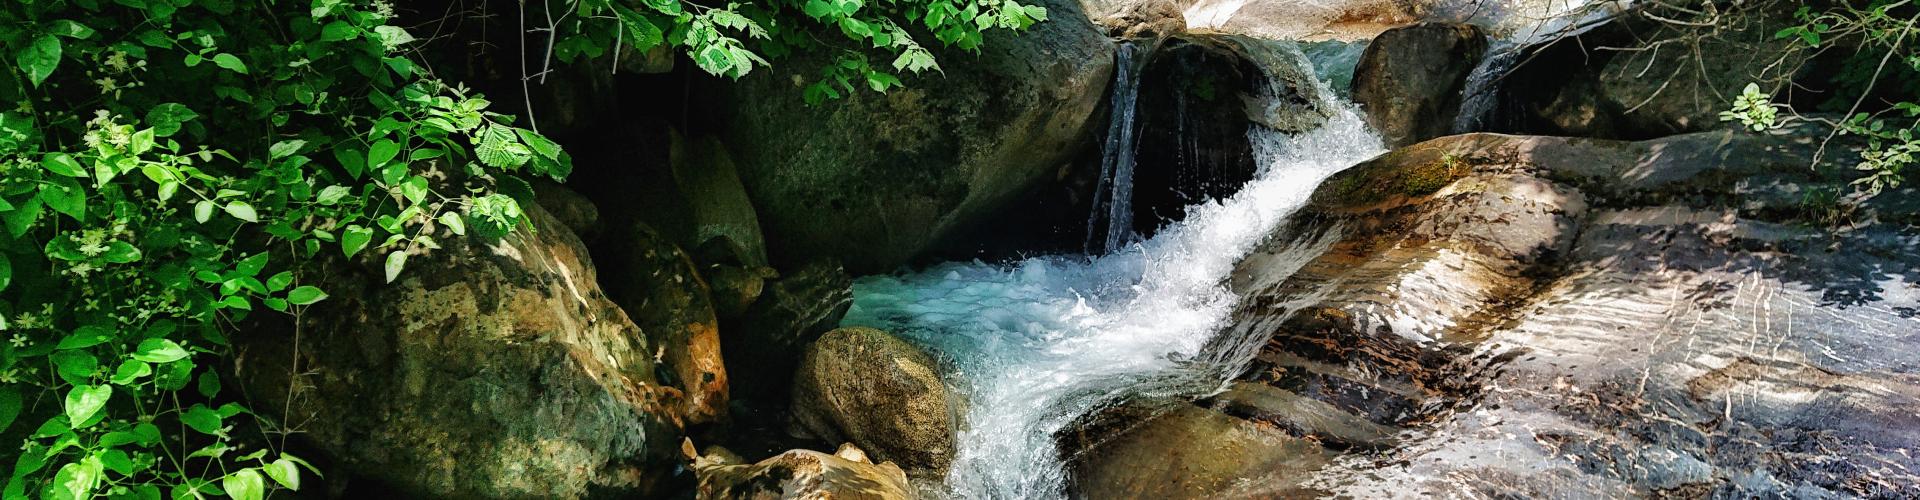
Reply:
x=862, y=385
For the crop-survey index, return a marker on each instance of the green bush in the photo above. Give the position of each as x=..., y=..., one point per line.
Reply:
x=167, y=166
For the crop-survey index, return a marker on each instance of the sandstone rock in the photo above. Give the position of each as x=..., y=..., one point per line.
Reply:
x=876, y=179
x=1175, y=450
x=489, y=370
x=799, y=474
x=863, y=385
x=664, y=293
x=1410, y=79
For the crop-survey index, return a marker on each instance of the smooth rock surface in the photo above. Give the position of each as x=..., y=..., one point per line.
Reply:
x=863, y=385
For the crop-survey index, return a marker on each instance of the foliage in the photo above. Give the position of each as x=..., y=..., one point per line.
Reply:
x=1879, y=105
x=167, y=166
x=1753, y=109
x=730, y=39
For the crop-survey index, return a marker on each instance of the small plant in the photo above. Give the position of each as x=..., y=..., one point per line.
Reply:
x=1753, y=109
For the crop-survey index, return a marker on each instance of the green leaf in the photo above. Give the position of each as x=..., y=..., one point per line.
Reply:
x=230, y=62
x=382, y=152
x=250, y=266
x=39, y=58
x=203, y=211
x=83, y=401
x=322, y=7
x=241, y=210
x=85, y=336
x=331, y=194
x=450, y=219
x=67, y=198
x=355, y=238
x=6, y=272
x=9, y=406
x=69, y=29
x=244, y=485
x=305, y=295
x=282, y=471
x=338, y=30
x=130, y=371
x=168, y=118
x=79, y=479
x=280, y=281
x=498, y=147
x=63, y=164
x=539, y=144
x=285, y=148
x=202, y=419
x=396, y=261
x=159, y=351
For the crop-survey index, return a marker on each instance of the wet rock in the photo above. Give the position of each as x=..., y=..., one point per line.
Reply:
x=1318, y=20
x=1410, y=80
x=863, y=385
x=1172, y=449
x=664, y=293
x=876, y=179
x=793, y=310
x=488, y=370
x=798, y=474
x=1146, y=19
x=1669, y=344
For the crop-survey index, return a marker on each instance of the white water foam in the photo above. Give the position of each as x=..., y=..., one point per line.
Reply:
x=1035, y=344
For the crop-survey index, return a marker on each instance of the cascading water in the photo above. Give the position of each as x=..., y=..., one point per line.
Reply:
x=1036, y=344
x=1116, y=161
x=1482, y=87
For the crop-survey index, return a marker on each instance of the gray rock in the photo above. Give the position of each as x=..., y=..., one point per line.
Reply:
x=1410, y=79
x=874, y=180
x=863, y=385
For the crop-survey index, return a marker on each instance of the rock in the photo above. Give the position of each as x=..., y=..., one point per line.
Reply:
x=863, y=385
x=1626, y=79
x=489, y=370
x=1318, y=20
x=1175, y=450
x=766, y=345
x=798, y=474
x=574, y=211
x=664, y=293
x=1146, y=19
x=1410, y=79
x=704, y=174
x=875, y=179
x=1500, y=339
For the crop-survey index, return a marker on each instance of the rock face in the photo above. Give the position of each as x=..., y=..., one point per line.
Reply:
x=1494, y=316
x=773, y=333
x=1175, y=450
x=489, y=370
x=1410, y=79
x=659, y=286
x=874, y=180
x=798, y=474
x=1630, y=78
x=863, y=385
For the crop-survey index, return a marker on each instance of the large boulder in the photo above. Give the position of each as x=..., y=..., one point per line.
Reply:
x=846, y=474
x=765, y=343
x=1410, y=79
x=1175, y=450
x=875, y=179
x=863, y=385
x=488, y=370
x=668, y=298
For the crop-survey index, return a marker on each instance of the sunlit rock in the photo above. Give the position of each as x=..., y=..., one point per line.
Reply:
x=862, y=385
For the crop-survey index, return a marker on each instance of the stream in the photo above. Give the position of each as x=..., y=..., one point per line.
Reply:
x=1033, y=345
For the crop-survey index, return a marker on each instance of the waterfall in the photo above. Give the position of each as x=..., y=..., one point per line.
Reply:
x=1483, y=88
x=1036, y=344
x=1116, y=158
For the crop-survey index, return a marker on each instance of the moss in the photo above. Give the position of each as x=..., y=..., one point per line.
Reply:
x=1397, y=174
x=1426, y=178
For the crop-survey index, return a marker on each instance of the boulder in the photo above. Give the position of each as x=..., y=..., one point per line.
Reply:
x=797, y=474
x=1409, y=80
x=1175, y=450
x=573, y=210
x=765, y=344
x=875, y=179
x=488, y=370
x=863, y=385
x=661, y=288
